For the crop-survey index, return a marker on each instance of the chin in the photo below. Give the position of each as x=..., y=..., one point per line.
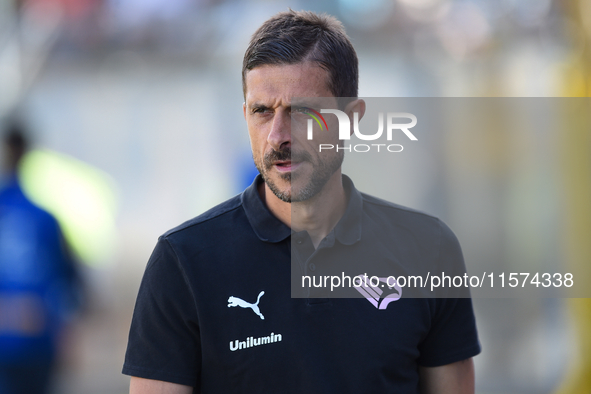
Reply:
x=280, y=188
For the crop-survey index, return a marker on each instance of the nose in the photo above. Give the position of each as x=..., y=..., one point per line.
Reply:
x=280, y=134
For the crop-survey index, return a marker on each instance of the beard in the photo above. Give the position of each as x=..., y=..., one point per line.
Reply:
x=322, y=171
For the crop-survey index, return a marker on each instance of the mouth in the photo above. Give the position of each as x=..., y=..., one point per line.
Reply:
x=286, y=165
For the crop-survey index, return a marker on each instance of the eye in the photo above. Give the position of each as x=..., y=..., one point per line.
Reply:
x=259, y=110
x=299, y=110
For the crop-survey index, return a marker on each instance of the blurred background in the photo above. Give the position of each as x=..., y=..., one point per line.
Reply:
x=134, y=111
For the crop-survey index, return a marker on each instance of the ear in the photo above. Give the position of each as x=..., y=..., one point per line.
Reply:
x=355, y=106
x=244, y=110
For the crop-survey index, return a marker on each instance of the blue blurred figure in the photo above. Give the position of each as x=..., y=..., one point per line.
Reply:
x=39, y=282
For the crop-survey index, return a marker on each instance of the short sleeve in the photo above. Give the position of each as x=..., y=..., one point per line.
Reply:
x=164, y=339
x=452, y=335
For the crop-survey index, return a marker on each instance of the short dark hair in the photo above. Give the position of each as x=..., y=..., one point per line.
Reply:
x=15, y=143
x=295, y=36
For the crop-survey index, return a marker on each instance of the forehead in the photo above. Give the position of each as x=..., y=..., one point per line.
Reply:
x=271, y=83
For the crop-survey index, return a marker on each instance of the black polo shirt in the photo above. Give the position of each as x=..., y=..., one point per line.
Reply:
x=215, y=311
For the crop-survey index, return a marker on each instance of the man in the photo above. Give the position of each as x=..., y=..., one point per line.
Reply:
x=214, y=313
x=39, y=282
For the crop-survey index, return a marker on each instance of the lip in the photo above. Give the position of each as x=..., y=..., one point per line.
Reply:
x=286, y=165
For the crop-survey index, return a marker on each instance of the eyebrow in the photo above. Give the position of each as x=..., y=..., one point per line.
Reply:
x=311, y=104
x=263, y=107
x=258, y=106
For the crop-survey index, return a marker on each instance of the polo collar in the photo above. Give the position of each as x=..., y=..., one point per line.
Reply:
x=270, y=229
x=265, y=225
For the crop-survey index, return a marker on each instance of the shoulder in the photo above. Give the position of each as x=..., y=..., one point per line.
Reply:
x=218, y=215
x=393, y=208
x=198, y=233
x=14, y=203
x=410, y=226
x=401, y=215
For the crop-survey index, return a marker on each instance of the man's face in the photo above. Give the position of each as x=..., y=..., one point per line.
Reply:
x=293, y=172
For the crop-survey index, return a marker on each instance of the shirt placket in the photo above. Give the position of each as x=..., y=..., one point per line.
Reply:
x=307, y=255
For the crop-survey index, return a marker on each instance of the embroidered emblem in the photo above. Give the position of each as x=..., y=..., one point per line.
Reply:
x=374, y=294
x=235, y=301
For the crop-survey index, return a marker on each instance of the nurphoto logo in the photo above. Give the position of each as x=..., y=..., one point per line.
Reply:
x=393, y=124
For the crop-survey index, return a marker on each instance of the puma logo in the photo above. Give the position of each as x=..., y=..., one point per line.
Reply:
x=235, y=301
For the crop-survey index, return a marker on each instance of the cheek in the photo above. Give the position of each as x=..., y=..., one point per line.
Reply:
x=253, y=135
x=256, y=129
x=258, y=144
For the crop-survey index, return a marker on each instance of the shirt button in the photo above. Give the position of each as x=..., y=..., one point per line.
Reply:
x=312, y=267
x=299, y=241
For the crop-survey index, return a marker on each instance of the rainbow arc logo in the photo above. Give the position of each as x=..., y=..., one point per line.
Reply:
x=315, y=115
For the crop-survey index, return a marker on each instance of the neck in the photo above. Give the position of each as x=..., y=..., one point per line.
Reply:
x=317, y=215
